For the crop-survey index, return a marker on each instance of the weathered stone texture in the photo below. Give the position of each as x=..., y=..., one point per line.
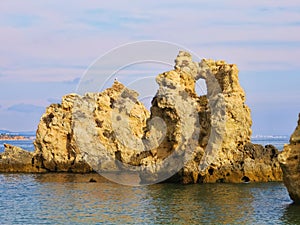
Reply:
x=290, y=163
x=207, y=136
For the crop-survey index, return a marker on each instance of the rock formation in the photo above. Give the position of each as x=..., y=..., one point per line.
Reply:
x=205, y=138
x=289, y=160
x=237, y=160
x=177, y=105
x=85, y=122
x=224, y=152
x=55, y=149
x=15, y=159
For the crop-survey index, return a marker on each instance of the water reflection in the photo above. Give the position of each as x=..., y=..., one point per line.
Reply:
x=291, y=214
x=72, y=199
x=93, y=202
x=270, y=201
x=194, y=204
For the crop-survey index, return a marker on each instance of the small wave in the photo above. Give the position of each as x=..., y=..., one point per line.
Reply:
x=270, y=137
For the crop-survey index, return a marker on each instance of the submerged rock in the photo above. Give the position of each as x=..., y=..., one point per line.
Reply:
x=289, y=160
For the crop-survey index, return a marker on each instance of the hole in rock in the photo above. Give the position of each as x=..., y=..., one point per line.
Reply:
x=48, y=119
x=200, y=87
x=211, y=171
x=245, y=179
x=99, y=123
x=92, y=180
x=221, y=180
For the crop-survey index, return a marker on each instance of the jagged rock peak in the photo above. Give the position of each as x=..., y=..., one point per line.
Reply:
x=184, y=62
x=295, y=138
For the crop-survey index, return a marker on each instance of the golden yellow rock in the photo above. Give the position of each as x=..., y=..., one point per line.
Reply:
x=15, y=159
x=57, y=148
x=289, y=160
x=186, y=138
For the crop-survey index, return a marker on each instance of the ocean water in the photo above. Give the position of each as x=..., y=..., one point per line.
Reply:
x=25, y=144
x=71, y=199
x=277, y=140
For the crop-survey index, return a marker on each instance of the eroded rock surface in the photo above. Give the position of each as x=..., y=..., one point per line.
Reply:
x=237, y=159
x=290, y=163
x=71, y=132
x=55, y=149
x=207, y=136
x=224, y=152
x=15, y=159
x=177, y=105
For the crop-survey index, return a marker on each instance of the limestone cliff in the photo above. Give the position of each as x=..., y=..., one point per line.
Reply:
x=290, y=164
x=223, y=152
x=66, y=130
x=177, y=105
x=207, y=136
x=237, y=160
x=55, y=149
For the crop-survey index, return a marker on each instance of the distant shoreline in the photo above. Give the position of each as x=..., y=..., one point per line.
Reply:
x=5, y=137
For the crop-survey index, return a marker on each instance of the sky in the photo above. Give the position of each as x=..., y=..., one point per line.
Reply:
x=46, y=46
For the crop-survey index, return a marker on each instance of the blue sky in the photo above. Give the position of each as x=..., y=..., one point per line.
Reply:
x=47, y=45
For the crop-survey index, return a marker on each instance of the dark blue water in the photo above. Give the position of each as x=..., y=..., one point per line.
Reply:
x=72, y=199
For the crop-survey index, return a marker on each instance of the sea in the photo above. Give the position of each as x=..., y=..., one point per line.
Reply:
x=59, y=198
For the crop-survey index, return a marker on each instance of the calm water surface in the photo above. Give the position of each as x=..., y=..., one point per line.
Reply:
x=25, y=144
x=276, y=140
x=72, y=199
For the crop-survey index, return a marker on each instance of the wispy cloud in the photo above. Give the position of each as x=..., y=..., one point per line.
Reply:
x=112, y=20
x=53, y=100
x=75, y=81
x=58, y=36
x=18, y=20
x=47, y=45
x=26, y=108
